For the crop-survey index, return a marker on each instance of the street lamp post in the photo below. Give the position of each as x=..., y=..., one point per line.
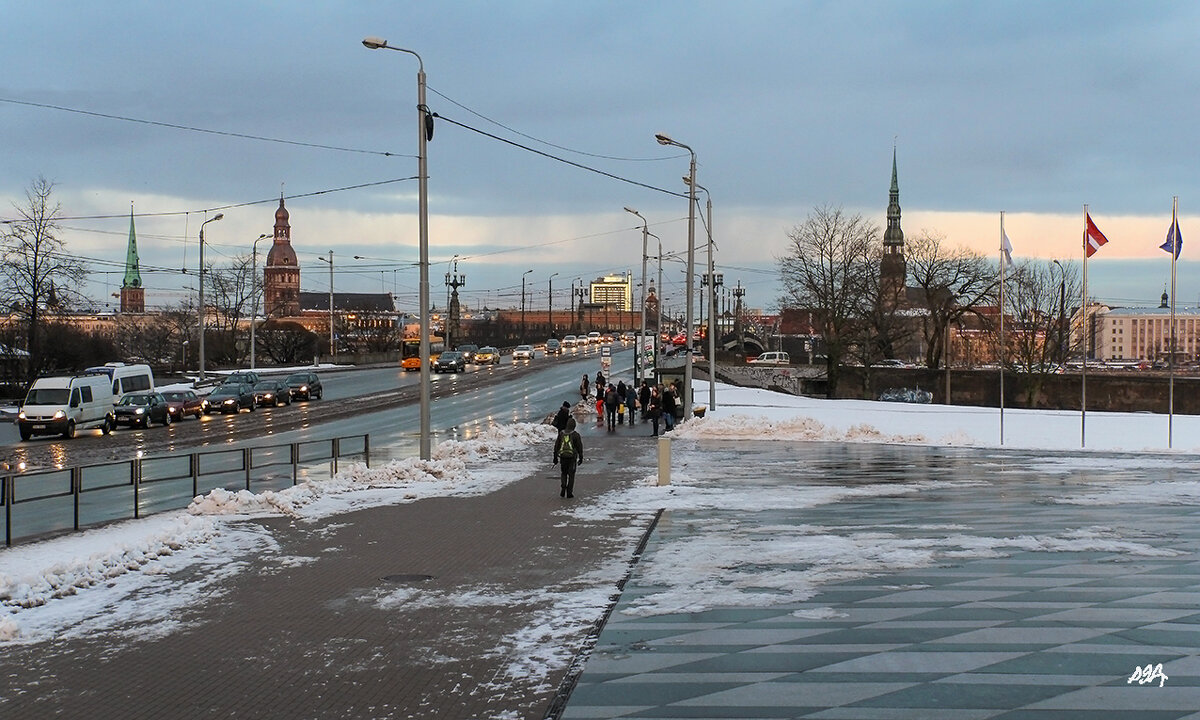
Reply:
x=638, y=370
x=713, y=282
x=332, y=346
x=254, y=287
x=691, y=269
x=200, y=310
x=424, y=134
x=550, y=301
x=1062, y=311
x=523, y=303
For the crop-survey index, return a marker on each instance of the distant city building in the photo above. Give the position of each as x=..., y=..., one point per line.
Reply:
x=133, y=295
x=613, y=290
x=281, y=277
x=1131, y=333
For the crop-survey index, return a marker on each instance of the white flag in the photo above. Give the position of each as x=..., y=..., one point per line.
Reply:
x=1006, y=248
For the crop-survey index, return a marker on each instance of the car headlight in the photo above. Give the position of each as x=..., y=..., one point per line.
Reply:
x=59, y=415
x=21, y=415
x=267, y=396
x=140, y=411
x=303, y=388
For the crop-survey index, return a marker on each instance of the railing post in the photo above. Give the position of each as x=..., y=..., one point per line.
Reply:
x=194, y=466
x=295, y=460
x=247, y=456
x=76, y=483
x=135, y=472
x=336, y=452
x=367, y=449
x=7, y=485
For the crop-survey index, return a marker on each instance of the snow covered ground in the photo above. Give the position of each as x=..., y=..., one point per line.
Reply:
x=92, y=582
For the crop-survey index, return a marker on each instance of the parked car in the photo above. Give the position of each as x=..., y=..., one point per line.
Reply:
x=181, y=403
x=523, y=352
x=229, y=398
x=450, y=361
x=772, y=358
x=487, y=355
x=468, y=352
x=553, y=347
x=141, y=409
x=305, y=385
x=248, y=377
x=569, y=341
x=272, y=392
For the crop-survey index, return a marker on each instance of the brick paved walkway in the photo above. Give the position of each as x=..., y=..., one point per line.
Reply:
x=308, y=640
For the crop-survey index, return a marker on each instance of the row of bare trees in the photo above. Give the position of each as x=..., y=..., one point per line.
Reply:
x=833, y=269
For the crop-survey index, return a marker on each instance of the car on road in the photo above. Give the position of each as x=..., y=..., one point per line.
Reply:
x=628, y=336
x=468, y=352
x=523, y=352
x=593, y=337
x=181, y=403
x=272, y=392
x=229, y=398
x=569, y=341
x=305, y=386
x=141, y=409
x=771, y=358
x=450, y=361
x=553, y=347
x=249, y=377
x=487, y=355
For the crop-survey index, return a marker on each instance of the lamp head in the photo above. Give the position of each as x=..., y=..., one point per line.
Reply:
x=218, y=216
x=663, y=139
x=631, y=210
x=374, y=43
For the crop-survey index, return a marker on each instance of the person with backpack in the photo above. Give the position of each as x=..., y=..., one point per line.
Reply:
x=568, y=454
x=610, y=406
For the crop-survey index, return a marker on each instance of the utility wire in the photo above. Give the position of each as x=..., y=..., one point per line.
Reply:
x=189, y=128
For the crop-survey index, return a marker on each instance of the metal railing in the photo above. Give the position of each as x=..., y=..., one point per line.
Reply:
x=43, y=502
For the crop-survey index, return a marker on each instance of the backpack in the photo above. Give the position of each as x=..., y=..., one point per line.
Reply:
x=566, y=446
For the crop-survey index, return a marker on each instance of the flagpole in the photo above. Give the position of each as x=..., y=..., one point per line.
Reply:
x=1084, y=332
x=1001, y=363
x=1171, y=361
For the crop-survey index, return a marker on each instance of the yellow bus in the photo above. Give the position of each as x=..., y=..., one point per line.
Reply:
x=410, y=352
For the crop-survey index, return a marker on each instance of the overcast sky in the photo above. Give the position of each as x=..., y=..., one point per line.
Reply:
x=1033, y=108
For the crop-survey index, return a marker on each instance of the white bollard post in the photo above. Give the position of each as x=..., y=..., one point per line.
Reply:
x=664, y=460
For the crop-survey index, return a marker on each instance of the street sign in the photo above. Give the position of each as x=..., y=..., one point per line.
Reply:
x=605, y=359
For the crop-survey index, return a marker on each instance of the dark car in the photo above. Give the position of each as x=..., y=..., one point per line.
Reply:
x=230, y=399
x=305, y=386
x=450, y=361
x=141, y=409
x=468, y=352
x=273, y=393
x=181, y=403
x=248, y=377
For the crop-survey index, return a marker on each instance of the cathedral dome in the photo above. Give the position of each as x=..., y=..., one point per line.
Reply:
x=281, y=254
x=281, y=215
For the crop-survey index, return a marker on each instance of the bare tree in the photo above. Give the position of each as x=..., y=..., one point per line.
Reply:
x=1037, y=298
x=953, y=282
x=882, y=331
x=287, y=342
x=233, y=289
x=829, y=258
x=36, y=271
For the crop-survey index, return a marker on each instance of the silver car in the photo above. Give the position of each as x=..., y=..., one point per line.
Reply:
x=523, y=352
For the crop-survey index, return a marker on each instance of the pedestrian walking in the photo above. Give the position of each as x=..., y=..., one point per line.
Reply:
x=631, y=398
x=644, y=398
x=621, y=395
x=610, y=406
x=653, y=408
x=584, y=390
x=560, y=419
x=599, y=405
x=599, y=384
x=669, y=403
x=568, y=454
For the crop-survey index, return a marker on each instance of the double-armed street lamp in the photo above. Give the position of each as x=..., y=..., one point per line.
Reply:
x=332, y=346
x=424, y=134
x=550, y=301
x=254, y=285
x=200, y=310
x=663, y=139
x=638, y=370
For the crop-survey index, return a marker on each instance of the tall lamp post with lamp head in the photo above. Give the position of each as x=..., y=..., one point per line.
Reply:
x=664, y=139
x=523, y=303
x=713, y=281
x=550, y=302
x=424, y=134
x=332, y=346
x=254, y=287
x=200, y=310
x=639, y=371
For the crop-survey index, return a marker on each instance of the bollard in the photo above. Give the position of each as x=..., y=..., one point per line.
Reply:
x=664, y=460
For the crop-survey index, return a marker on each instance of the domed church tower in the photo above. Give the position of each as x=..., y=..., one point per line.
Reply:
x=281, y=277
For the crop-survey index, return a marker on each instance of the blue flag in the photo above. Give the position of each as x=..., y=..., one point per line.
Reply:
x=1174, y=241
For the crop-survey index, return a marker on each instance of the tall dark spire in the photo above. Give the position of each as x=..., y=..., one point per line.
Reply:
x=893, y=269
x=133, y=274
x=893, y=235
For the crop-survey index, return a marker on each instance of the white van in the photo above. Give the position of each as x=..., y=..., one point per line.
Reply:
x=772, y=358
x=126, y=378
x=62, y=405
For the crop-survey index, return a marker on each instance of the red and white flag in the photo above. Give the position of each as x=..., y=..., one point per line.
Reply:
x=1095, y=238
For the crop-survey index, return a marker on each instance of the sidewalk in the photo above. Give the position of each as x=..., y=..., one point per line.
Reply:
x=304, y=631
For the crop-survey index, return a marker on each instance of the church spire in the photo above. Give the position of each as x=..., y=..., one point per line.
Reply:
x=133, y=275
x=893, y=267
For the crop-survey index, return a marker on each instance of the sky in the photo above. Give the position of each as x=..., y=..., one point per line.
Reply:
x=1030, y=108
x=120, y=581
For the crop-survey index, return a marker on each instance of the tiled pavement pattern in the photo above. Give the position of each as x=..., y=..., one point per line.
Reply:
x=1028, y=636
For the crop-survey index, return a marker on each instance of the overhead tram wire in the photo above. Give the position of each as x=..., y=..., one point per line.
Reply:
x=189, y=128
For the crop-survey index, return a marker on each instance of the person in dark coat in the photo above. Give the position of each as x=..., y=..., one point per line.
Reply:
x=568, y=453
x=621, y=395
x=560, y=419
x=599, y=384
x=654, y=408
x=584, y=390
x=668, y=408
x=644, y=399
x=610, y=406
x=631, y=399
